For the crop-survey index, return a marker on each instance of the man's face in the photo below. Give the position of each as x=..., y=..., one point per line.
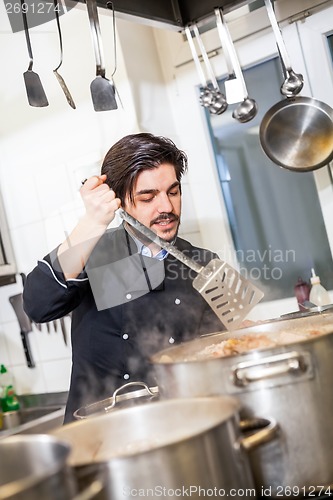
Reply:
x=157, y=201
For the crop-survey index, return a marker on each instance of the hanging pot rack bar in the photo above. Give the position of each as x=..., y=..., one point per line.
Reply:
x=175, y=14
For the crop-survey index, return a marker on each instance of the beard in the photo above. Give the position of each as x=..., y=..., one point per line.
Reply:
x=169, y=235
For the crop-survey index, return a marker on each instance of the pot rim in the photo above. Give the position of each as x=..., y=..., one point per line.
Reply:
x=7, y=490
x=221, y=417
x=259, y=328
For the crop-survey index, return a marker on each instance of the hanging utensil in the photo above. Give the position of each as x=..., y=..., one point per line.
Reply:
x=34, y=88
x=102, y=90
x=55, y=71
x=110, y=6
x=297, y=132
x=63, y=330
x=206, y=94
x=229, y=294
x=293, y=82
x=219, y=103
x=248, y=108
x=25, y=326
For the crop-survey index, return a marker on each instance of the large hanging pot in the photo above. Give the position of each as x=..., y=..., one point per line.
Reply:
x=290, y=382
x=296, y=133
x=181, y=447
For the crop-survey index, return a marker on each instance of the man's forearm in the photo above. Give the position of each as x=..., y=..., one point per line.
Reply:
x=74, y=252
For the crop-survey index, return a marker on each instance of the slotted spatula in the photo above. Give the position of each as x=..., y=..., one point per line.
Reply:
x=34, y=88
x=228, y=293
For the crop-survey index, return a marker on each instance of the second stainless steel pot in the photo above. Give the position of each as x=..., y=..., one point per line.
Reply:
x=34, y=467
x=291, y=383
x=173, y=448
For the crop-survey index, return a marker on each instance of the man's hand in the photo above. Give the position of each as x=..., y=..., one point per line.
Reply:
x=100, y=203
x=99, y=200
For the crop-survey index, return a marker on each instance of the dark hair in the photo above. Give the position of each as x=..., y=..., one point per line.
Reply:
x=137, y=152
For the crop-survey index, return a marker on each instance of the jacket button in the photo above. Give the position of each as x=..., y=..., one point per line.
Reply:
x=177, y=301
x=126, y=376
x=171, y=340
x=125, y=336
x=128, y=296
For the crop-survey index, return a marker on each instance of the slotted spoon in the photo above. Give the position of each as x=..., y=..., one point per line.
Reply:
x=228, y=293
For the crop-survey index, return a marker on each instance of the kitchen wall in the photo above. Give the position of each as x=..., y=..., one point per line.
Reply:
x=46, y=152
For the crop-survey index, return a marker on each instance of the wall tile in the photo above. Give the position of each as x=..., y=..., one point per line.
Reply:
x=30, y=245
x=27, y=380
x=57, y=375
x=4, y=355
x=20, y=196
x=53, y=189
x=51, y=346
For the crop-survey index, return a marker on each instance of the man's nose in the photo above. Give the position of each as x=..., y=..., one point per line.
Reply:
x=164, y=204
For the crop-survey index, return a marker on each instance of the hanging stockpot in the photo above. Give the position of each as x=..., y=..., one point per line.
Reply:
x=297, y=132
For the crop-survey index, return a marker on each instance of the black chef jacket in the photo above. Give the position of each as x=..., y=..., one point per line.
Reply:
x=125, y=307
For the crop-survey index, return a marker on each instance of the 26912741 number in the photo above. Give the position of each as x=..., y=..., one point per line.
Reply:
x=33, y=8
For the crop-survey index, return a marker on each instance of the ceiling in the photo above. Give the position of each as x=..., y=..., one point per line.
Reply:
x=174, y=14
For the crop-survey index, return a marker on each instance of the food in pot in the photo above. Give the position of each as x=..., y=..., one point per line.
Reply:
x=248, y=342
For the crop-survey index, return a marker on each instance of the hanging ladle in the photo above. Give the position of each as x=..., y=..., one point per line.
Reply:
x=293, y=82
x=102, y=90
x=248, y=108
x=218, y=103
x=55, y=71
x=34, y=88
x=206, y=94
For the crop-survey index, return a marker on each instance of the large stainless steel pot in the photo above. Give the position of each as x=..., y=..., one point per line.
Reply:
x=292, y=383
x=35, y=466
x=168, y=448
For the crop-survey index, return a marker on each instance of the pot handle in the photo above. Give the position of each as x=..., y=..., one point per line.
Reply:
x=152, y=391
x=90, y=491
x=282, y=364
x=268, y=430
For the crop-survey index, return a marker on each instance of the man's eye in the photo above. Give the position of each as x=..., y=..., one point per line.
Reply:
x=174, y=193
x=147, y=200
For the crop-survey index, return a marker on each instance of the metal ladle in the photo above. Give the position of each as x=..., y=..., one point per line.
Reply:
x=206, y=94
x=209, y=98
x=248, y=108
x=293, y=82
x=218, y=103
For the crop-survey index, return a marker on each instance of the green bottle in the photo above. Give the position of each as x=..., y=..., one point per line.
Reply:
x=8, y=399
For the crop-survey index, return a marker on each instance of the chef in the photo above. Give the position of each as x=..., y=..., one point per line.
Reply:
x=128, y=297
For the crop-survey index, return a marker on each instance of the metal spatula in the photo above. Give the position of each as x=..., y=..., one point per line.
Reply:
x=102, y=90
x=228, y=293
x=35, y=92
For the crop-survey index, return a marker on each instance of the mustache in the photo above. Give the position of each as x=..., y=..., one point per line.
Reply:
x=164, y=216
